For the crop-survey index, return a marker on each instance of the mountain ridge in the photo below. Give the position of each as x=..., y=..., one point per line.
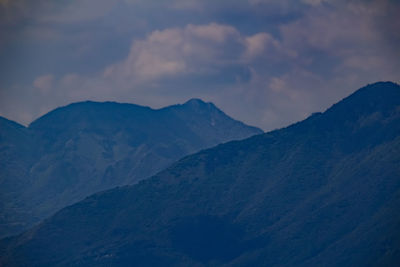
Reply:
x=84, y=147
x=305, y=195
x=193, y=102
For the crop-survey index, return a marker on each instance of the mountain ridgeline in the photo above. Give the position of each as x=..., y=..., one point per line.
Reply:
x=86, y=147
x=321, y=192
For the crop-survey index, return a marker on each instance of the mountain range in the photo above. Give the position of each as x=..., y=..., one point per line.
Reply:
x=77, y=150
x=322, y=192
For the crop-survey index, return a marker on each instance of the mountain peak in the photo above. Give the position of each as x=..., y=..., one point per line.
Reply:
x=376, y=97
x=194, y=101
x=377, y=92
x=197, y=103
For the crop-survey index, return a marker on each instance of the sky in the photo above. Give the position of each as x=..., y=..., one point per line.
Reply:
x=268, y=63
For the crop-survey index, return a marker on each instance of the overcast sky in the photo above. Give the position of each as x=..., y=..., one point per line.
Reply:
x=266, y=62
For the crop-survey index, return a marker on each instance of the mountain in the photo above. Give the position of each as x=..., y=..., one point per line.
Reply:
x=86, y=147
x=321, y=192
x=17, y=153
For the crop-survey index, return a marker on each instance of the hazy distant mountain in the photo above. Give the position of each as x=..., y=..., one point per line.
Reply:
x=322, y=192
x=80, y=149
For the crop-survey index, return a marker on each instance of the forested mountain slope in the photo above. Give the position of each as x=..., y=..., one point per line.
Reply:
x=321, y=192
x=86, y=147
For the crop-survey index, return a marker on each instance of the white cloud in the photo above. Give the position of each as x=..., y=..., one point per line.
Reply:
x=44, y=83
x=157, y=56
x=189, y=50
x=213, y=32
x=257, y=44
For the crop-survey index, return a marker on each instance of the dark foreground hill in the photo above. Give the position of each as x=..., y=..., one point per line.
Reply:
x=322, y=192
x=80, y=149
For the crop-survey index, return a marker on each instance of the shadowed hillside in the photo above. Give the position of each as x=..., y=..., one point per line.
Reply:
x=86, y=147
x=321, y=192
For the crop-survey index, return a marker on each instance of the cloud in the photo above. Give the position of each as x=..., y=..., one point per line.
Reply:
x=344, y=37
x=154, y=57
x=55, y=11
x=194, y=49
x=258, y=44
x=44, y=83
x=266, y=62
x=75, y=11
x=4, y=2
x=314, y=2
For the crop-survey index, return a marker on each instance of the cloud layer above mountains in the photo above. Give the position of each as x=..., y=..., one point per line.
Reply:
x=266, y=62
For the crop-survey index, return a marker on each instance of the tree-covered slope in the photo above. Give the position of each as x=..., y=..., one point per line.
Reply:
x=86, y=147
x=322, y=192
